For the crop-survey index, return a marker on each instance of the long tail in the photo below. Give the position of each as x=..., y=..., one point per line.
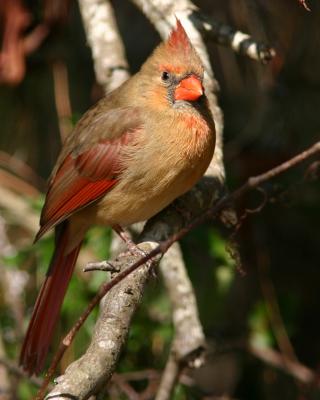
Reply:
x=47, y=308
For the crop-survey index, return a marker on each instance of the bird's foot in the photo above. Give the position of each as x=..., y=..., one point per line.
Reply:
x=133, y=248
x=122, y=233
x=137, y=252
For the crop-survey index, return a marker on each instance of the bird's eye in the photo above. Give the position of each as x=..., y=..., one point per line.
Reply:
x=165, y=76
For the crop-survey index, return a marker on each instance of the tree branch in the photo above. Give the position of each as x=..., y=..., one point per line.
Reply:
x=238, y=41
x=189, y=342
x=292, y=367
x=169, y=378
x=106, y=45
x=13, y=368
x=93, y=370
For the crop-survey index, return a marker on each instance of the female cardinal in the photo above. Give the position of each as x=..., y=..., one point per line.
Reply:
x=129, y=156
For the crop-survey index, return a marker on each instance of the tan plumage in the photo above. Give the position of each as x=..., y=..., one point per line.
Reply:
x=129, y=156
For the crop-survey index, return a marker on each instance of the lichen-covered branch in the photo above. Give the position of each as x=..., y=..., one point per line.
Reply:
x=87, y=375
x=238, y=41
x=189, y=342
x=108, y=54
x=169, y=378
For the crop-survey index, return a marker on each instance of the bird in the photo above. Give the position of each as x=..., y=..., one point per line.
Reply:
x=129, y=156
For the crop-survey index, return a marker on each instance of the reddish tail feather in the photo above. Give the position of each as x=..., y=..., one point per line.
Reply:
x=47, y=308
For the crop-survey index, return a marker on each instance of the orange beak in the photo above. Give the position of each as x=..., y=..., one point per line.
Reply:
x=189, y=89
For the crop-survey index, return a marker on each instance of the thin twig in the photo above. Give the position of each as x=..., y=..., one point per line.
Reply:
x=6, y=388
x=169, y=378
x=20, y=168
x=304, y=4
x=238, y=41
x=273, y=309
x=252, y=183
x=218, y=32
x=101, y=266
x=17, y=184
x=294, y=368
x=19, y=210
x=149, y=374
x=125, y=387
x=62, y=98
x=13, y=368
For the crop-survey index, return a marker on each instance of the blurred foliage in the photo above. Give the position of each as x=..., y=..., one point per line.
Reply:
x=271, y=112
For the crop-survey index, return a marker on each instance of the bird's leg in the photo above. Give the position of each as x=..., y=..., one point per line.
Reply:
x=133, y=248
x=110, y=267
x=125, y=237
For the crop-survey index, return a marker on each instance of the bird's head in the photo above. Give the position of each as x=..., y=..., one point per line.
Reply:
x=174, y=72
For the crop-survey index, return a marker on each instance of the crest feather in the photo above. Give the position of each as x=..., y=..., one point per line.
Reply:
x=178, y=37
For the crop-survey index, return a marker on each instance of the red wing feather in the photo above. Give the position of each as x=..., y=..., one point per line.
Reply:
x=82, y=179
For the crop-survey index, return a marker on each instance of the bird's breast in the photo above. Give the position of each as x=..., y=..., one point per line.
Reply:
x=165, y=163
